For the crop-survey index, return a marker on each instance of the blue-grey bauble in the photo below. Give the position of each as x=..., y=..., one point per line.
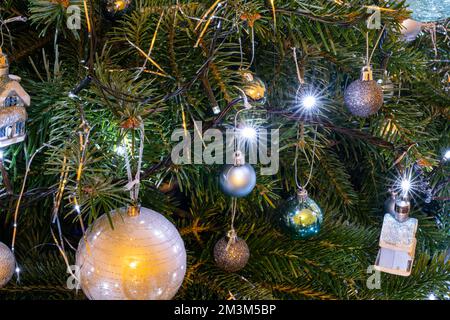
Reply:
x=237, y=181
x=363, y=97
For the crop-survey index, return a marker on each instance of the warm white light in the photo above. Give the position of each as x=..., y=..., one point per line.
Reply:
x=248, y=133
x=17, y=270
x=133, y=265
x=446, y=155
x=309, y=102
x=77, y=208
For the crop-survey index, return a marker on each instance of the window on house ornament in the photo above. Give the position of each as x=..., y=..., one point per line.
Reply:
x=11, y=101
x=2, y=132
x=19, y=127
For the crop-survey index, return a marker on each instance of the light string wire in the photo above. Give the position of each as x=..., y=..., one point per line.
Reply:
x=300, y=135
x=84, y=140
x=83, y=136
x=59, y=241
x=18, y=202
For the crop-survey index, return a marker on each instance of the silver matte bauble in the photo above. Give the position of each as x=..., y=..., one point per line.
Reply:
x=364, y=97
x=7, y=264
x=237, y=180
x=142, y=258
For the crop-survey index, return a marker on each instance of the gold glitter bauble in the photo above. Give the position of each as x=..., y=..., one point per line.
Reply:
x=254, y=88
x=233, y=255
x=142, y=258
x=7, y=264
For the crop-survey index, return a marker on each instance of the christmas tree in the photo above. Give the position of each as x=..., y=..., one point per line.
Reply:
x=139, y=127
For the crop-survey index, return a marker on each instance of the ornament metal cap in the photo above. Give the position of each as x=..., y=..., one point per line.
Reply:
x=402, y=209
x=302, y=194
x=232, y=236
x=366, y=73
x=134, y=210
x=239, y=159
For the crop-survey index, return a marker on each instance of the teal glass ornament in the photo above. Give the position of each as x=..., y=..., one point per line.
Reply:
x=429, y=10
x=301, y=217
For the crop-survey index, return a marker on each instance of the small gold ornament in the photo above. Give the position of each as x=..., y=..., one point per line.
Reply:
x=113, y=6
x=254, y=87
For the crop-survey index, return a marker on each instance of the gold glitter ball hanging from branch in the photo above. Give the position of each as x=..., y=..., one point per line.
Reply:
x=364, y=97
x=231, y=255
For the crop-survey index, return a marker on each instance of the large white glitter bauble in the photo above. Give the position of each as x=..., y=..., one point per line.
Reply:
x=7, y=264
x=142, y=258
x=410, y=29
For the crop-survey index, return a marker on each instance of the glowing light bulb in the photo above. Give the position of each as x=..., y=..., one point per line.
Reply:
x=17, y=270
x=248, y=133
x=309, y=102
x=405, y=185
x=133, y=265
x=446, y=155
x=120, y=150
x=431, y=296
x=77, y=208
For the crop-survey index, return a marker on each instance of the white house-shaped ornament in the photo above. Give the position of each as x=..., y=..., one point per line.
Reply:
x=13, y=101
x=397, y=241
